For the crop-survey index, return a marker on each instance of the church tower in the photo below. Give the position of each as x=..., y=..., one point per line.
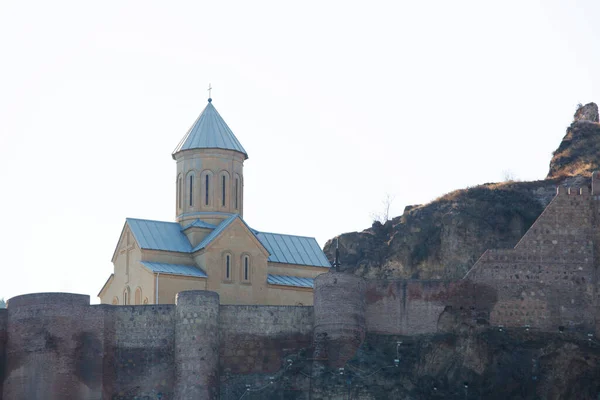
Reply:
x=210, y=180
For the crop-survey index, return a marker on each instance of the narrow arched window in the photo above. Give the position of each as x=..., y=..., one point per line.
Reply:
x=246, y=268
x=191, y=190
x=223, y=183
x=126, y=296
x=237, y=184
x=227, y=266
x=180, y=191
x=115, y=301
x=138, y=296
x=206, y=188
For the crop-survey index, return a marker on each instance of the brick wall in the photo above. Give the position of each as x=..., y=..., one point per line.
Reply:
x=256, y=339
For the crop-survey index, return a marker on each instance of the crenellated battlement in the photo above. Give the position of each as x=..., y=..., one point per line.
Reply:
x=572, y=191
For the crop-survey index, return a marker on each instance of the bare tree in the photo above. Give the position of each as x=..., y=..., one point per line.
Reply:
x=509, y=176
x=384, y=215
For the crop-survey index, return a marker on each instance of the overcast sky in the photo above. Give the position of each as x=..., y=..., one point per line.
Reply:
x=336, y=102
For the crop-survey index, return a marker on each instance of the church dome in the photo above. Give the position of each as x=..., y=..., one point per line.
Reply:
x=210, y=131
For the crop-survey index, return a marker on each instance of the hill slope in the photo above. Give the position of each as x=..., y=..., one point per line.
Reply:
x=444, y=238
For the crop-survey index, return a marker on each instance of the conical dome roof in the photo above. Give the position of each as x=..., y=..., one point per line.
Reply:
x=210, y=132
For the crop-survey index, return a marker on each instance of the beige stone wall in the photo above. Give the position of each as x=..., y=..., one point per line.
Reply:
x=289, y=296
x=196, y=235
x=238, y=242
x=138, y=277
x=170, y=285
x=215, y=163
x=296, y=270
x=167, y=257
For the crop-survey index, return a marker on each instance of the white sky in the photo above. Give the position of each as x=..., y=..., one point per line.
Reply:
x=336, y=102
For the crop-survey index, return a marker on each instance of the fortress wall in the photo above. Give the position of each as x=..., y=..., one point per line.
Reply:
x=256, y=339
x=548, y=280
x=412, y=307
x=141, y=340
x=3, y=334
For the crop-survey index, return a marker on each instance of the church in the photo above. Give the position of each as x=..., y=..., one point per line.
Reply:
x=211, y=246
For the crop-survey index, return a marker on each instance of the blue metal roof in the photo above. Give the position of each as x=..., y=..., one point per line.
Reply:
x=209, y=131
x=174, y=269
x=169, y=236
x=199, y=224
x=159, y=235
x=293, y=249
x=295, y=281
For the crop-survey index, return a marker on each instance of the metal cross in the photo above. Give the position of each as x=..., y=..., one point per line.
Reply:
x=209, y=89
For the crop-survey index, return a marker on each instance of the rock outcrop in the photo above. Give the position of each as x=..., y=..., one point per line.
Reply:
x=579, y=151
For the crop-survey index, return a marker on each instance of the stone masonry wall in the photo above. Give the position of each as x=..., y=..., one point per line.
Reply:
x=141, y=340
x=548, y=280
x=256, y=339
x=3, y=327
x=414, y=307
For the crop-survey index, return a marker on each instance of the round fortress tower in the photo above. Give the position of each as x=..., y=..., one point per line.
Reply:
x=197, y=345
x=43, y=337
x=339, y=307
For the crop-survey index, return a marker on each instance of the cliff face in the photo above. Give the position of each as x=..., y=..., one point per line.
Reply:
x=443, y=239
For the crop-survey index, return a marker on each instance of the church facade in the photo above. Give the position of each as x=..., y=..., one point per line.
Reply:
x=210, y=246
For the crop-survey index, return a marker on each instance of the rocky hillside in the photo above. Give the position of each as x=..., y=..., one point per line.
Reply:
x=444, y=238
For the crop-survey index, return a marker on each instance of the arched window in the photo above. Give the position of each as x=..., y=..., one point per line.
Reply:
x=206, y=189
x=191, y=189
x=180, y=191
x=138, y=296
x=126, y=299
x=115, y=301
x=237, y=191
x=227, y=267
x=223, y=191
x=246, y=269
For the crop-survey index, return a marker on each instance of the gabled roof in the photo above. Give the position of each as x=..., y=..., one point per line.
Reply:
x=159, y=235
x=295, y=281
x=199, y=224
x=210, y=131
x=290, y=249
x=174, y=269
x=212, y=236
